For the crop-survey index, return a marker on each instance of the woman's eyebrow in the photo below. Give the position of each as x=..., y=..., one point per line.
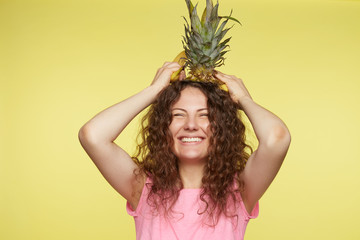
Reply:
x=198, y=110
x=181, y=109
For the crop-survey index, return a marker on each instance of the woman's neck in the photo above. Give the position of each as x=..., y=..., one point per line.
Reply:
x=191, y=175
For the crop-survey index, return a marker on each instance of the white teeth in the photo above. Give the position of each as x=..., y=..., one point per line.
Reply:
x=194, y=139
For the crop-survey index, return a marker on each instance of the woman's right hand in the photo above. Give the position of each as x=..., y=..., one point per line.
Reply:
x=163, y=74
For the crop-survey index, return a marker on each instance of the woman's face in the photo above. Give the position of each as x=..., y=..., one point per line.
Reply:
x=190, y=126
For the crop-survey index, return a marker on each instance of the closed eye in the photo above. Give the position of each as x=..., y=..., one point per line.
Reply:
x=204, y=114
x=178, y=115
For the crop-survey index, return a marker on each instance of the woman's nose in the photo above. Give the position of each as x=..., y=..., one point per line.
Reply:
x=191, y=124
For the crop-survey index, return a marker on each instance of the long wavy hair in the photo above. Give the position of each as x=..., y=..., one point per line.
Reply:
x=227, y=154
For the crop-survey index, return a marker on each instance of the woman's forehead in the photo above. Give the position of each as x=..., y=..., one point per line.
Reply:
x=191, y=97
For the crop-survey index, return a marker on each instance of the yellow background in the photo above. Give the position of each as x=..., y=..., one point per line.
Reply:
x=61, y=62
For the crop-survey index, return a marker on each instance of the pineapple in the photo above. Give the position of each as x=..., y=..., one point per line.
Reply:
x=202, y=42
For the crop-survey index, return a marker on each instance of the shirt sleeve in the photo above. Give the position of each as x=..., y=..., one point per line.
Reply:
x=129, y=210
x=143, y=197
x=254, y=212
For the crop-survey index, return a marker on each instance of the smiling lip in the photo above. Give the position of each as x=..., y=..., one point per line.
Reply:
x=191, y=139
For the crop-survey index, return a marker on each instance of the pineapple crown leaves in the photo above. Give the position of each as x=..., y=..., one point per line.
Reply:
x=202, y=40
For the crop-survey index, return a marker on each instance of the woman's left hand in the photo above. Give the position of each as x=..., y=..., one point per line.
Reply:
x=236, y=87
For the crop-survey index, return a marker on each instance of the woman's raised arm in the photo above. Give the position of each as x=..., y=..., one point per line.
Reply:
x=97, y=136
x=274, y=140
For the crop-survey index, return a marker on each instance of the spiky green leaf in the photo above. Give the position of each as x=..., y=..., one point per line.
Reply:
x=190, y=6
x=224, y=42
x=209, y=8
x=231, y=18
x=220, y=29
x=203, y=18
x=195, y=21
x=220, y=35
x=204, y=59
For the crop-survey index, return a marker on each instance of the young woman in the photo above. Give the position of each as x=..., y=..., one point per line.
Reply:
x=194, y=176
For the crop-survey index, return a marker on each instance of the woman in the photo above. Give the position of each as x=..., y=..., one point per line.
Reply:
x=196, y=181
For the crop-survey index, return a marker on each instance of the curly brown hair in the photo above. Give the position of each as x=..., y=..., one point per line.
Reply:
x=227, y=154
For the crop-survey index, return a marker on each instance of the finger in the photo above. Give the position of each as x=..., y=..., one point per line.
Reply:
x=166, y=64
x=168, y=67
x=182, y=75
x=175, y=65
x=170, y=64
x=222, y=77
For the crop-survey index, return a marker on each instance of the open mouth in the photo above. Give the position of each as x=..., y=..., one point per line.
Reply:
x=190, y=139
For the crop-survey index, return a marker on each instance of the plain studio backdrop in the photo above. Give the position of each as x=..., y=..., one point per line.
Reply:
x=61, y=62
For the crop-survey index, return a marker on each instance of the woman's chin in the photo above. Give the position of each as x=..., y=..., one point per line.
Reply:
x=192, y=158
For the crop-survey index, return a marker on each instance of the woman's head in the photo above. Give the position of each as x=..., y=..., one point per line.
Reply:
x=190, y=127
x=213, y=119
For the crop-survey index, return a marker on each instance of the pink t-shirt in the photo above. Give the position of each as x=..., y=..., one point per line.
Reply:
x=190, y=224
